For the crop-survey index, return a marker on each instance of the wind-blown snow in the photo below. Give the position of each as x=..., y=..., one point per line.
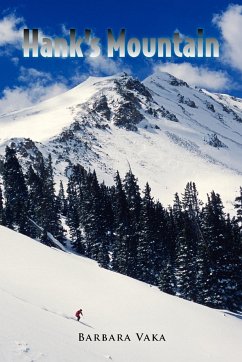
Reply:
x=49, y=117
x=41, y=288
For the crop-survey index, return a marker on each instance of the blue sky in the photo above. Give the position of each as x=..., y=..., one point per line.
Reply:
x=25, y=81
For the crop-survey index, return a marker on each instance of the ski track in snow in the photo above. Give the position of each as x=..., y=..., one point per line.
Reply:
x=23, y=352
x=46, y=309
x=41, y=288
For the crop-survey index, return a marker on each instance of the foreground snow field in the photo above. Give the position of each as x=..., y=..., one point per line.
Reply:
x=41, y=288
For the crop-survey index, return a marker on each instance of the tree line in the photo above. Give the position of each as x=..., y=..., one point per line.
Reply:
x=190, y=249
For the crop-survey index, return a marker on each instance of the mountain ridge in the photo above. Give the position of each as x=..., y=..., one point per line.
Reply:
x=169, y=132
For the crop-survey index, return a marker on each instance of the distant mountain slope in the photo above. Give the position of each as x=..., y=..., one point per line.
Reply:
x=168, y=132
x=41, y=288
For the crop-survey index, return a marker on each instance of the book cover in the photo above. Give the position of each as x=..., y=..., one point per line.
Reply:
x=120, y=181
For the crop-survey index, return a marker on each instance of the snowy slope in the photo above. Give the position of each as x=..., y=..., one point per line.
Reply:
x=41, y=288
x=47, y=119
x=162, y=127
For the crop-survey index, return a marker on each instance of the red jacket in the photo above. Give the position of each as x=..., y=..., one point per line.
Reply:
x=78, y=313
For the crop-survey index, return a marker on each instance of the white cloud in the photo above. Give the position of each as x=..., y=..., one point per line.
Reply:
x=78, y=77
x=11, y=34
x=13, y=99
x=36, y=87
x=28, y=75
x=11, y=30
x=197, y=76
x=230, y=26
x=15, y=60
x=106, y=66
x=20, y=97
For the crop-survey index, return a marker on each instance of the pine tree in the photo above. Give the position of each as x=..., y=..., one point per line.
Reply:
x=190, y=201
x=44, y=238
x=16, y=194
x=43, y=206
x=87, y=215
x=2, y=216
x=36, y=190
x=215, y=233
x=121, y=229
x=107, y=220
x=166, y=280
x=73, y=214
x=51, y=217
x=238, y=207
x=171, y=234
x=202, y=266
x=175, y=229
x=162, y=246
x=61, y=199
x=133, y=197
x=185, y=261
x=94, y=224
x=232, y=268
x=146, y=246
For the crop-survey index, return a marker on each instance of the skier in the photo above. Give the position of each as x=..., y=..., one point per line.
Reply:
x=78, y=314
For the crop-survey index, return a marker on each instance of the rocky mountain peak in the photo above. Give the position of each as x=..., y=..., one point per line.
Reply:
x=123, y=101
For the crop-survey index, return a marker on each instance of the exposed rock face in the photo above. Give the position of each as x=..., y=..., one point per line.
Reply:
x=127, y=83
x=100, y=106
x=27, y=150
x=210, y=106
x=127, y=116
x=124, y=103
x=177, y=82
x=214, y=141
x=187, y=101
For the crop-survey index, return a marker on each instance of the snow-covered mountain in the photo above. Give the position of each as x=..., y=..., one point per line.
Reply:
x=168, y=132
x=41, y=288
